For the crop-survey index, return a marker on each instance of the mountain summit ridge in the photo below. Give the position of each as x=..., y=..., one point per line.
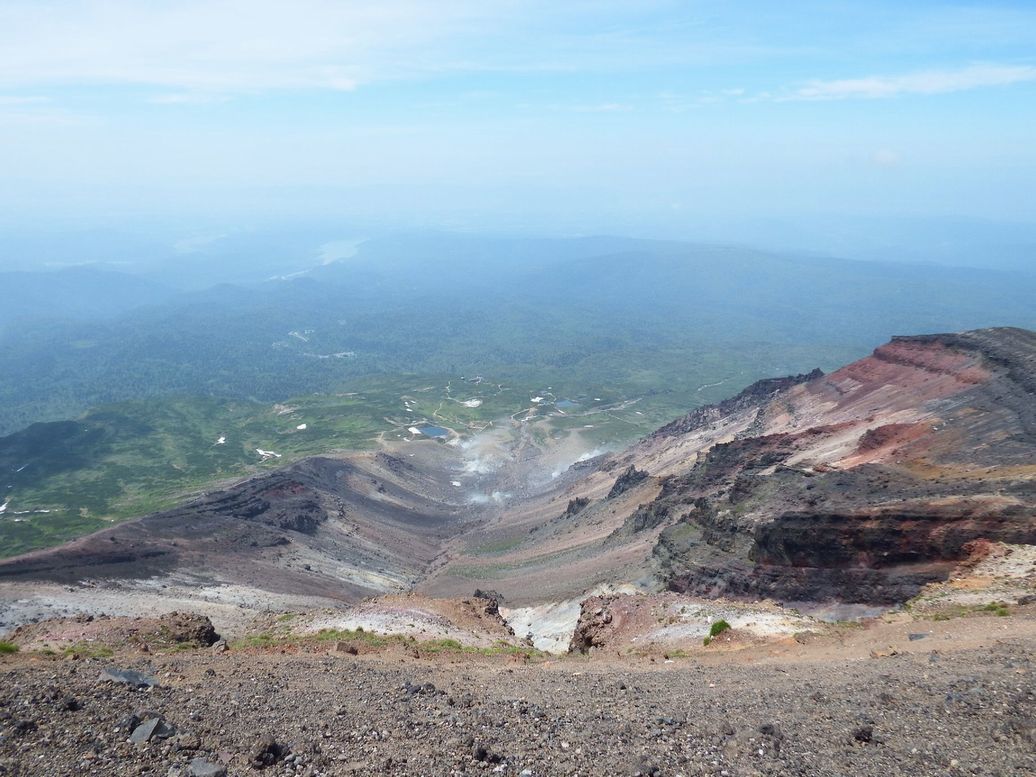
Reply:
x=900, y=459
x=861, y=485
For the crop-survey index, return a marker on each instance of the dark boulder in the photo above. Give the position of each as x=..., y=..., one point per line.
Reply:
x=627, y=480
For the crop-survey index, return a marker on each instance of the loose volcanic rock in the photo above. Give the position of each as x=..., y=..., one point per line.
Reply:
x=129, y=677
x=152, y=728
x=267, y=751
x=202, y=767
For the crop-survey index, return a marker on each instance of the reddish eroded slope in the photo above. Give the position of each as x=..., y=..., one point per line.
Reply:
x=862, y=485
x=868, y=483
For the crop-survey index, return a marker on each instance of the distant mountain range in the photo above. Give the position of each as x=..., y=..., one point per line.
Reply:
x=73, y=294
x=624, y=310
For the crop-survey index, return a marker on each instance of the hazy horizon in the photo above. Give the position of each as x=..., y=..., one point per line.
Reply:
x=866, y=130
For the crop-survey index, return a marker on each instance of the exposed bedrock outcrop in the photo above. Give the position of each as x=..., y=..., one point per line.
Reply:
x=835, y=540
x=873, y=534
x=866, y=484
x=627, y=480
x=595, y=618
x=861, y=485
x=882, y=558
x=755, y=395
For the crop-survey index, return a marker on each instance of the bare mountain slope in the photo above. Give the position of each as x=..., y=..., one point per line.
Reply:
x=336, y=528
x=859, y=486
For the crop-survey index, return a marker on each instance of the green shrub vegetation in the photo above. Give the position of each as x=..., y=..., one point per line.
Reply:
x=718, y=628
x=950, y=611
x=715, y=630
x=256, y=641
x=89, y=650
x=374, y=641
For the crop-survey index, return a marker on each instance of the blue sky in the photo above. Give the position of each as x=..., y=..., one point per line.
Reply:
x=643, y=117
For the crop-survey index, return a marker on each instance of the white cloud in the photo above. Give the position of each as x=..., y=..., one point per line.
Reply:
x=8, y=100
x=187, y=98
x=603, y=108
x=885, y=157
x=221, y=46
x=921, y=82
x=34, y=110
x=232, y=46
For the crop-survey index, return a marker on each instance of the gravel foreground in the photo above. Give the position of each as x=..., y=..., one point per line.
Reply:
x=971, y=712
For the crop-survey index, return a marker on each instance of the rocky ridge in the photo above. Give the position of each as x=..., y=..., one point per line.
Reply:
x=678, y=573
x=863, y=485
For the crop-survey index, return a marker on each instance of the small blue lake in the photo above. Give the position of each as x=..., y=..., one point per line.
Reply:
x=434, y=431
x=565, y=404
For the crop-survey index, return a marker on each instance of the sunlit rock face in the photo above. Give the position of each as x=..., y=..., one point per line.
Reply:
x=859, y=486
x=866, y=484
